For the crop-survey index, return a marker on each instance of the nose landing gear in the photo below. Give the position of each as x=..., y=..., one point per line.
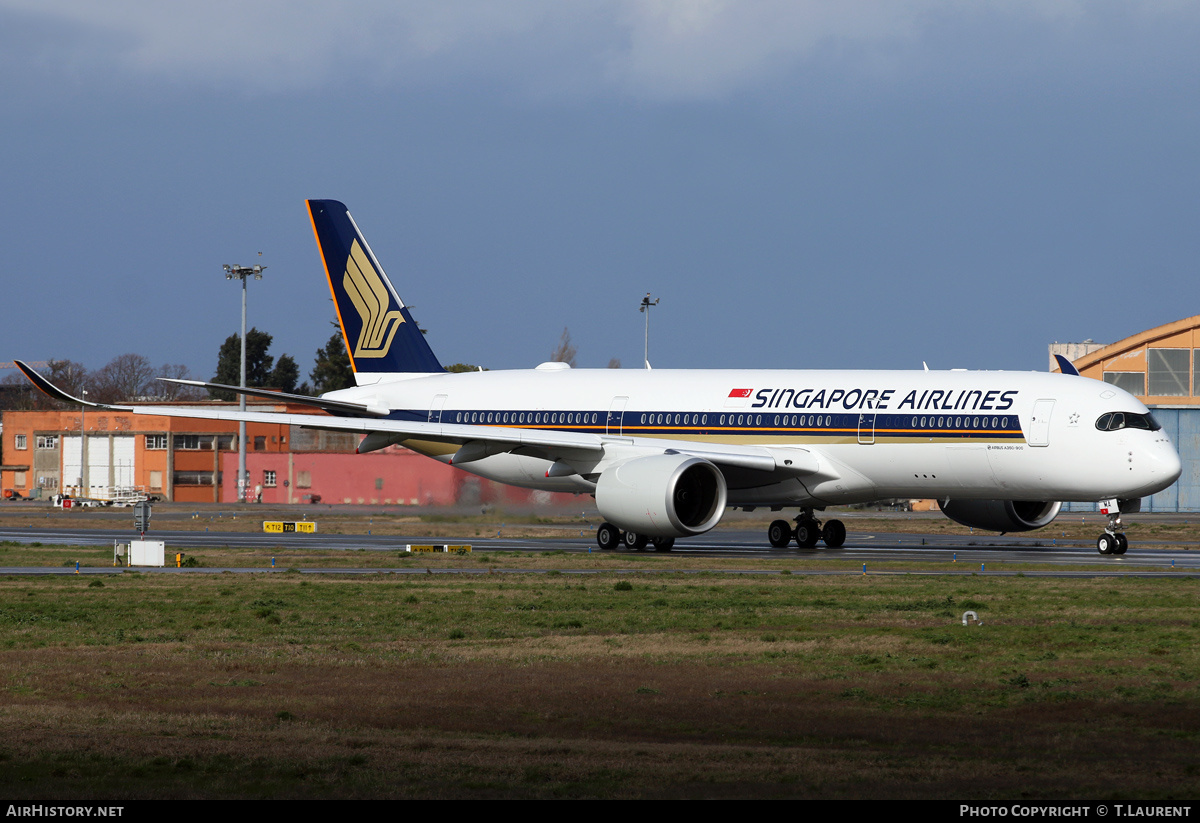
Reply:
x=1113, y=541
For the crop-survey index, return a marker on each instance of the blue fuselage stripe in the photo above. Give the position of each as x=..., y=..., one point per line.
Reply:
x=878, y=426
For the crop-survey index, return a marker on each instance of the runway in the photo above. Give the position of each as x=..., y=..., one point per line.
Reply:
x=882, y=553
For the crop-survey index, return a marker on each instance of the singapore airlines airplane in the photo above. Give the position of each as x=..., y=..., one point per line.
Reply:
x=665, y=452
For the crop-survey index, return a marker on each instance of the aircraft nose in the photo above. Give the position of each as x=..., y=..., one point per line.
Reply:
x=1158, y=467
x=1172, y=464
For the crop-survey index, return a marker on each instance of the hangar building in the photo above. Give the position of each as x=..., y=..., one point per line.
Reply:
x=1161, y=366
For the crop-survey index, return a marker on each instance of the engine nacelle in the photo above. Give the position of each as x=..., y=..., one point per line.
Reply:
x=1001, y=515
x=665, y=495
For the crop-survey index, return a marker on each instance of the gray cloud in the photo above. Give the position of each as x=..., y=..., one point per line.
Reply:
x=651, y=49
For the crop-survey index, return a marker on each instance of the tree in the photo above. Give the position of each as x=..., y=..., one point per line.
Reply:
x=332, y=370
x=18, y=394
x=285, y=374
x=614, y=363
x=125, y=377
x=463, y=367
x=173, y=391
x=229, y=362
x=69, y=376
x=565, y=353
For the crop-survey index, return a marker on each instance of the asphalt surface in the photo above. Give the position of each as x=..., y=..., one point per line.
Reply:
x=877, y=553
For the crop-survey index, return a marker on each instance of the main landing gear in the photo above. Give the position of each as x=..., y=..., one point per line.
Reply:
x=807, y=532
x=1113, y=541
x=610, y=537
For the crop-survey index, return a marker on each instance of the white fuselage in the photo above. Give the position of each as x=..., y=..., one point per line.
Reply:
x=838, y=436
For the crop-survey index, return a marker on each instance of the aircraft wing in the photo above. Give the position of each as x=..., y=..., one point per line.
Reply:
x=498, y=438
x=506, y=438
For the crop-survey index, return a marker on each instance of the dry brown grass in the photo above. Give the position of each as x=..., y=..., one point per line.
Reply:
x=586, y=727
x=684, y=686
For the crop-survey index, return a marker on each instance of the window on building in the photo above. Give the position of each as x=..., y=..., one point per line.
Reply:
x=192, y=442
x=192, y=478
x=260, y=442
x=19, y=479
x=156, y=441
x=1133, y=382
x=47, y=441
x=155, y=481
x=226, y=442
x=304, y=480
x=21, y=442
x=1167, y=372
x=269, y=479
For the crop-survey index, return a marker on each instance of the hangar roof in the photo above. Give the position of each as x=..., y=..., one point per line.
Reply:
x=1158, y=365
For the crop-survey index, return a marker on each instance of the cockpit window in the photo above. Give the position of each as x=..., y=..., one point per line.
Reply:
x=1112, y=421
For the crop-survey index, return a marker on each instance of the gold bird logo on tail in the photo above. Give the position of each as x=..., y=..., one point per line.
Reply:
x=371, y=298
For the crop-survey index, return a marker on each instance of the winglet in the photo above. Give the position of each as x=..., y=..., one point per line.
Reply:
x=54, y=392
x=1066, y=366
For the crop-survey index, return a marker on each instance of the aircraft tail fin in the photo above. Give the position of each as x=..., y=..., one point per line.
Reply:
x=1066, y=366
x=380, y=334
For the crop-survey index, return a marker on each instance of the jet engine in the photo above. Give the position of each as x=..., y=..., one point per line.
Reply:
x=665, y=495
x=1001, y=515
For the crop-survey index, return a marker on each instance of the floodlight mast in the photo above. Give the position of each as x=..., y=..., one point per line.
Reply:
x=85, y=489
x=645, y=307
x=241, y=273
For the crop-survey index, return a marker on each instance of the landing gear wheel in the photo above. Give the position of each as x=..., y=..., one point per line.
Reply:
x=608, y=536
x=635, y=541
x=1113, y=541
x=780, y=534
x=807, y=534
x=663, y=544
x=834, y=534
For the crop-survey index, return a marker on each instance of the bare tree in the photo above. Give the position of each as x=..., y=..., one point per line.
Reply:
x=71, y=377
x=126, y=377
x=17, y=393
x=565, y=353
x=614, y=363
x=173, y=391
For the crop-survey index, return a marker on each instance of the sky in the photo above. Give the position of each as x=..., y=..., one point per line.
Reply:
x=803, y=184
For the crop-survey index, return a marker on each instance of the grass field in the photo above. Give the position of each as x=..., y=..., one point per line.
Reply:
x=615, y=684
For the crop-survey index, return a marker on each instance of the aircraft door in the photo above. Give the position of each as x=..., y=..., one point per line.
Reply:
x=435, y=408
x=616, y=411
x=1039, y=424
x=866, y=428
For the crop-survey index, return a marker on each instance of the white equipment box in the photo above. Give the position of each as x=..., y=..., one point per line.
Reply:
x=147, y=553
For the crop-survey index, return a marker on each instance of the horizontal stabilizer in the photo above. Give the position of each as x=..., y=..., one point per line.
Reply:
x=301, y=399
